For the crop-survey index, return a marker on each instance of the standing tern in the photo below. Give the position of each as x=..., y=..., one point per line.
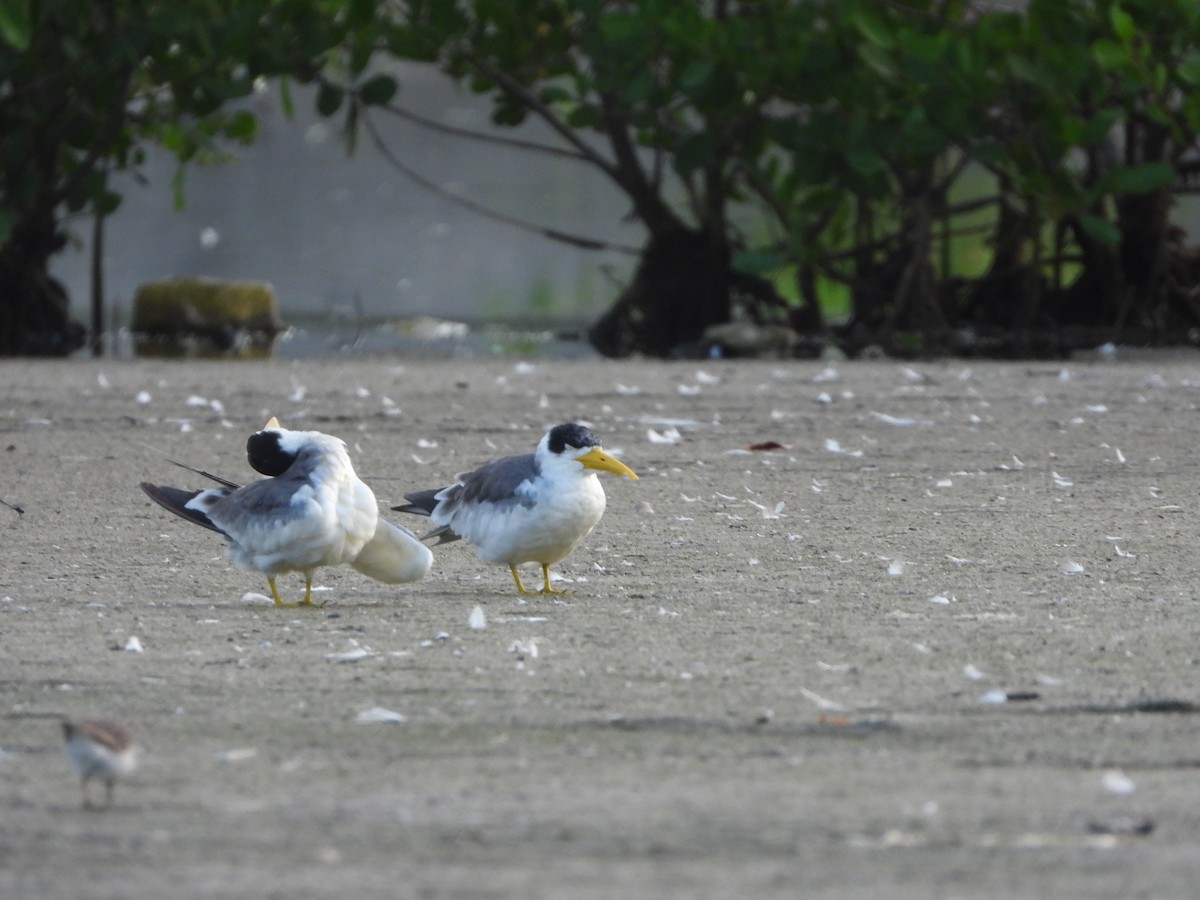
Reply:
x=311, y=510
x=531, y=508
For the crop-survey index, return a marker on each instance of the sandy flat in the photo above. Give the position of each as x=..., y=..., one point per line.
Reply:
x=942, y=641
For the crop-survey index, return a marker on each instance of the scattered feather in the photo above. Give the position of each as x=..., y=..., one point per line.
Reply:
x=257, y=598
x=1117, y=782
x=377, y=715
x=666, y=436
x=900, y=421
x=628, y=390
x=940, y=600
x=667, y=422
x=703, y=377
x=143, y=398
x=238, y=754
x=775, y=512
x=478, y=619
x=133, y=645
x=896, y=568
x=833, y=446
x=689, y=390
x=973, y=673
x=1070, y=567
x=838, y=668
x=351, y=656
x=823, y=398
x=822, y=703
x=994, y=697
x=826, y=375
x=1061, y=482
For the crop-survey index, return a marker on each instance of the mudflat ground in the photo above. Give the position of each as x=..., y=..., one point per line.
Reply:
x=941, y=642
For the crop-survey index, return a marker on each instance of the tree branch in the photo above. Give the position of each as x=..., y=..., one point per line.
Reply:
x=553, y=234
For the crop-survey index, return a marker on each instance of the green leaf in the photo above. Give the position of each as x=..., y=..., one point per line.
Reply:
x=1122, y=24
x=1140, y=179
x=1109, y=54
x=378, y=90
x=106, y=202
x=242, y=126
x=695, y=75
x=584, y=116
x=1189, y=68
x=878, y=59
x=329, y=99
x=622, y=28
x=1100, y=229
x=874, y=30
x=865, y=162
x=16, y=23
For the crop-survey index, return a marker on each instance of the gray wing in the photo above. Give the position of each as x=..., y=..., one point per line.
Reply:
x=499, y=481
x=502, y=482
x=268, y=500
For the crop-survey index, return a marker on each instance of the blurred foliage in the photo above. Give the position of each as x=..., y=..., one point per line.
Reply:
x=84, y=87
x=872, y=146
x=877, y=141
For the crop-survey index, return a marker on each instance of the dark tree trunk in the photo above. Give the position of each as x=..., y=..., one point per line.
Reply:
x=682, y=286
x=35, y=318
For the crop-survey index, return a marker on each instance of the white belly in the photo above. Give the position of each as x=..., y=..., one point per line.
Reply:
x=543, y=533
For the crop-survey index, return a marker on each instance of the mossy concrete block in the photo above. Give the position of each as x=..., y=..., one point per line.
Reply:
x=206, y=318
x=208, y=307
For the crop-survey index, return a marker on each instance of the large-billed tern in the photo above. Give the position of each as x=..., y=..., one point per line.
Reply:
x=311, y=511
x=531, y=508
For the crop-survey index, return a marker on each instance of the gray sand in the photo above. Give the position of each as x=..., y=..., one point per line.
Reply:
x=772, y=676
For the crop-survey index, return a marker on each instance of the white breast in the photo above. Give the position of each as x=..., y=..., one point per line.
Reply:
x=561, y=516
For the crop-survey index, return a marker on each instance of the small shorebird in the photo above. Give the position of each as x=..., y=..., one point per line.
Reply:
x=531, y=508
x=100, y=749
x=311, y=510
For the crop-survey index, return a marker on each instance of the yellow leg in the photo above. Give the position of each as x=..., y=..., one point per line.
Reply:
x=546, y=589
x=275, y=593
x=517, y=579
x=307, y=589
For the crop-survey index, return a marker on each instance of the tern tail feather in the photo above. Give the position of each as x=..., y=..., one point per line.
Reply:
x=393, y=556
x=176, y=500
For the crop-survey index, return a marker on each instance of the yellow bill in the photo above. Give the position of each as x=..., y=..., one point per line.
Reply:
x=598, y=459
